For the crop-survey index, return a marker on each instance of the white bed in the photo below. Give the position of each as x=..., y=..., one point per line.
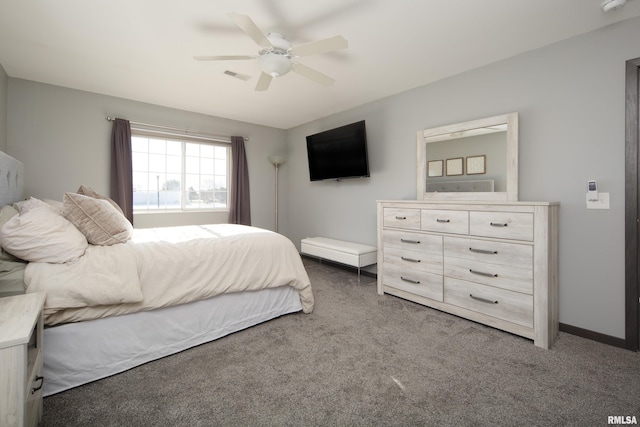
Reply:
x=100, y=323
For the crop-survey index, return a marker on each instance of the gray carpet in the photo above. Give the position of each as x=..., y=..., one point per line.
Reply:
x=364, y=360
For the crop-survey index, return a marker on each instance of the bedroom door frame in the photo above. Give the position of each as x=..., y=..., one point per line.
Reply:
x=632, y=208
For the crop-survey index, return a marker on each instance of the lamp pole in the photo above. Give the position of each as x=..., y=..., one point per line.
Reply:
x=276, y=161
x=277, y=168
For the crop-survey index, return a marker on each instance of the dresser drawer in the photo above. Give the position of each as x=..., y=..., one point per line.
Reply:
x=412, y=241
x=402, y=218
x=409, y=261
x=486, y=251
x=497, y=275
x=513, y=307
x=502, y=225
x=409, y=280
x=443, y=221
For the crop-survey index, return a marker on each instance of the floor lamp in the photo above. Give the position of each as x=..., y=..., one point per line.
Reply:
x=277, y=161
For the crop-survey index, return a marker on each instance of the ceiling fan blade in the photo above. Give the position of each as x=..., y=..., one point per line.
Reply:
x=312, y=74
x=320, y=46
x=248, y=26
x=263, y=82
x=222, y=57
x=238, y=76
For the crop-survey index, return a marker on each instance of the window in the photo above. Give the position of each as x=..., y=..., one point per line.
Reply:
x=175, y=174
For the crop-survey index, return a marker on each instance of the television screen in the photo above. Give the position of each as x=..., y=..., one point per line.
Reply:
x=338, y=153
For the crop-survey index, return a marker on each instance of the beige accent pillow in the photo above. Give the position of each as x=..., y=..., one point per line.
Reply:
x=42, y=235
x=97, y=219
x=88, y=191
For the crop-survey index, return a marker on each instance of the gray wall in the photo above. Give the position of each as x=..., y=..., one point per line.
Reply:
x=4, y=84
x=63, y=138
x=570, y=98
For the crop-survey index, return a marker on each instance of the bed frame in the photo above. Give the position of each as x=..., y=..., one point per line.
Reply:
x=82, y=352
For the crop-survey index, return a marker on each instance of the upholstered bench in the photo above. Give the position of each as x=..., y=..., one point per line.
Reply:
x=352, y=254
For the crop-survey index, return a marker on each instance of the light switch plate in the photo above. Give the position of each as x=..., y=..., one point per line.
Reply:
x=601, y=203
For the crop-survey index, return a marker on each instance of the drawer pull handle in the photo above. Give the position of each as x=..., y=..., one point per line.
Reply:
x=409, y=259
x=401, y=217
x=442, y=220
x=483, y=251
x=38, y=378
x=488, y=301
x=482, y=273
x=498, y=224
x=415, y=242
x=415, y=282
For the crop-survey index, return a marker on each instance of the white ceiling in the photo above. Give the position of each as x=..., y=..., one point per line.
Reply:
x=143, y=49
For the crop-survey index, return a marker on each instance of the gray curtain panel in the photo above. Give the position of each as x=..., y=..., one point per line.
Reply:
x=121, y=167
x=239, y=204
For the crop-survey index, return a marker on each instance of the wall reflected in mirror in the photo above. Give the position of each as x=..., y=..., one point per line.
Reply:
x=477, y=157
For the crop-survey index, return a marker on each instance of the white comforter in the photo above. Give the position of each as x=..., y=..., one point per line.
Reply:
x=161, y=267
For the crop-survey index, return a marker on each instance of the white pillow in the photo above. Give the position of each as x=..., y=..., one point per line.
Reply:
x=97, y=219
x=57, y=205
x=31, y=203
x=6, y=213
x=42, y=235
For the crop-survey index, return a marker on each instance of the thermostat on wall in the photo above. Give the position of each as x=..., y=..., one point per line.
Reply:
x=592, y=190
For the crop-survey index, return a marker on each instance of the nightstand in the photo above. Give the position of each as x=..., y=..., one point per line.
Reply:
x=21, y=336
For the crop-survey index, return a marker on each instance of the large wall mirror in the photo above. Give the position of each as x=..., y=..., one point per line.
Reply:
x=475, y=160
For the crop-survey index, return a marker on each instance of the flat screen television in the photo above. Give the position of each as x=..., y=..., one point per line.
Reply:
x=338, y=153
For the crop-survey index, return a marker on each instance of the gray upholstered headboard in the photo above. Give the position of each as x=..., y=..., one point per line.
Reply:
x=464, y=186
x=11, y=179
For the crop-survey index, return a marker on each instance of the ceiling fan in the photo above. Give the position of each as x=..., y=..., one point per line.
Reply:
x=276, y=57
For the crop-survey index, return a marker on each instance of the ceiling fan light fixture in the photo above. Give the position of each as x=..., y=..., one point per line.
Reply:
x=274, y=64
x=609, y=5
x=276, y=57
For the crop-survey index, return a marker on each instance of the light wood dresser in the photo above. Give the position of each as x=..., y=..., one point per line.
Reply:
x=491, y=262
x=21, y=329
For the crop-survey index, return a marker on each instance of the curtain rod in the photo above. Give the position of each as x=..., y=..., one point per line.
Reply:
x=186, y=131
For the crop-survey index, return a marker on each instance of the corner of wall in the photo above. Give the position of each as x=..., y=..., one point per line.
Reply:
x=4, y=89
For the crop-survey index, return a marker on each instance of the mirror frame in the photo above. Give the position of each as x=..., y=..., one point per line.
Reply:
x=511, y=120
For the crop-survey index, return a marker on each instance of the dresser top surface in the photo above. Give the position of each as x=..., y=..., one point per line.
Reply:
x=18, y=317
x=468, y=203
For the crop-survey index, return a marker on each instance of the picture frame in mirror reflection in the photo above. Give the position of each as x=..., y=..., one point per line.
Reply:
x=476, y=165
x=454, y=166
x=435, y=168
